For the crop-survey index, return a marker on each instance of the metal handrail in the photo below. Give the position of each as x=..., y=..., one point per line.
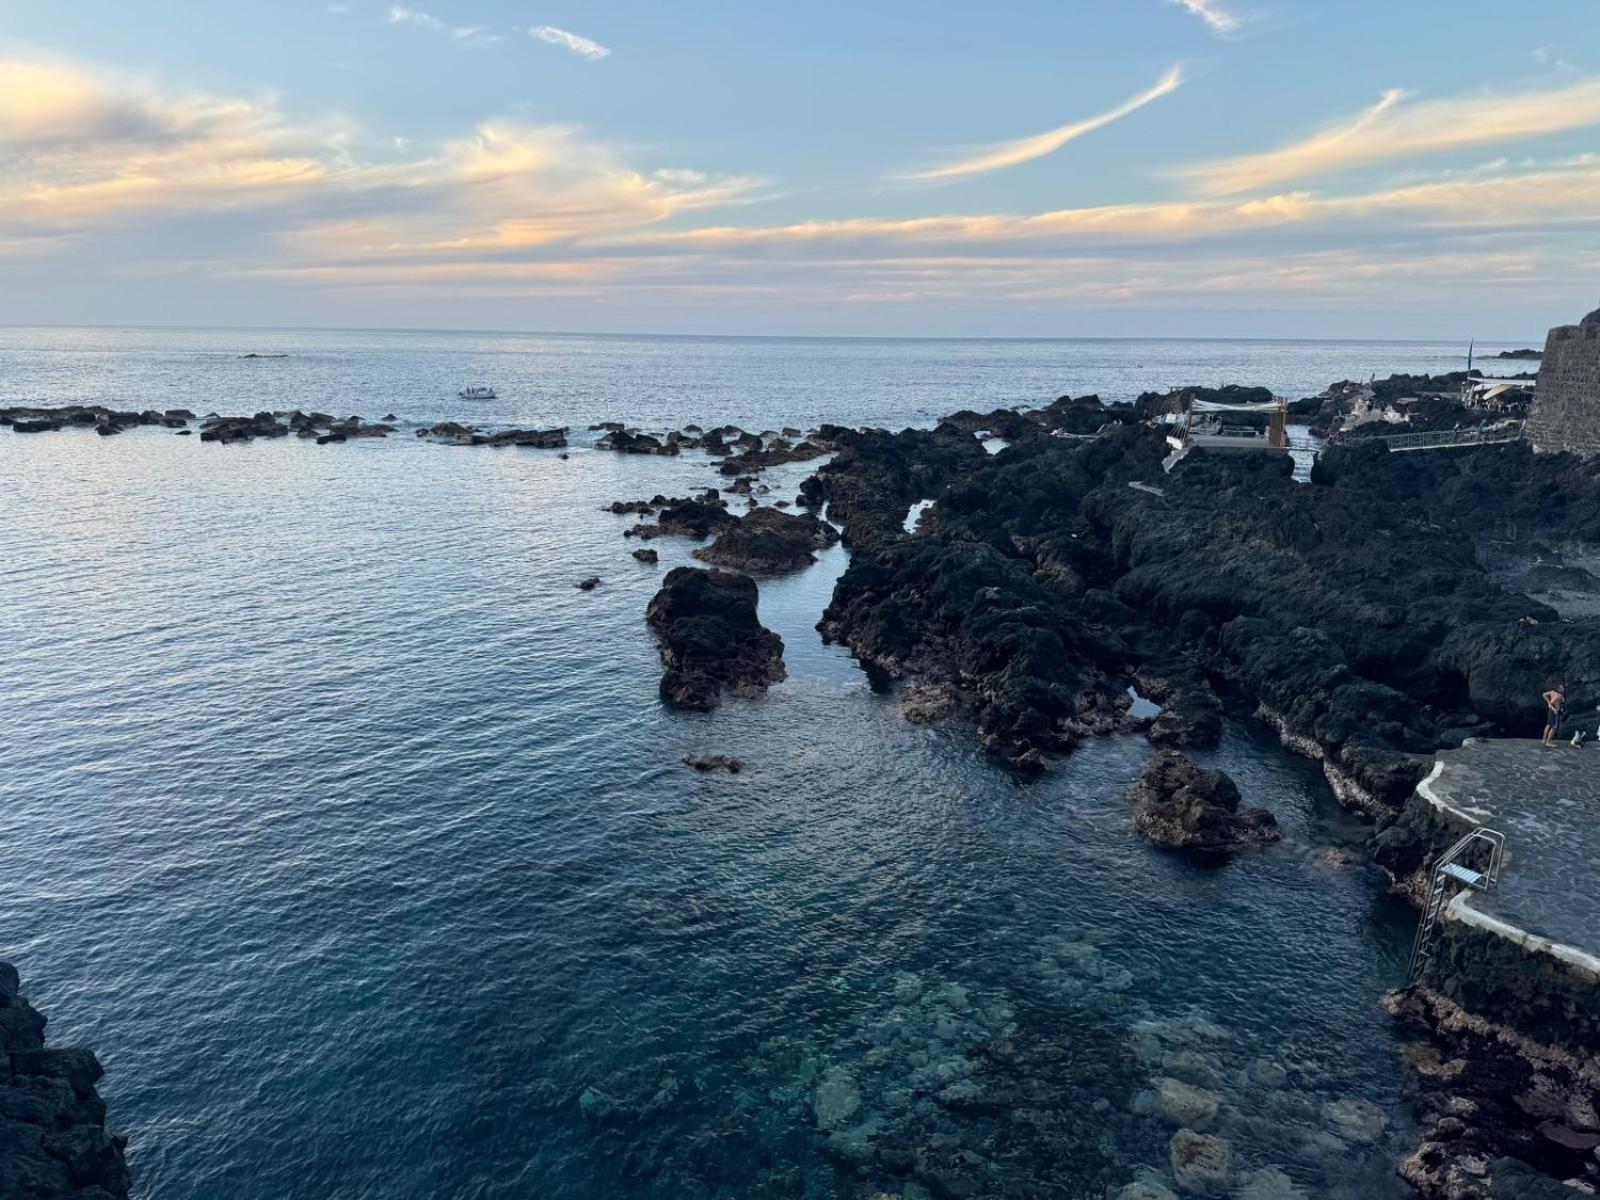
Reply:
x=1452, y=437
x=1422, y=945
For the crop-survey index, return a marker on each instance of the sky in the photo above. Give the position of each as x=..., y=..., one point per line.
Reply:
x=1162, y=168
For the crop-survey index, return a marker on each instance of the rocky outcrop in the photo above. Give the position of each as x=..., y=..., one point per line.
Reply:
x=455, y=434
x=53, y=1137
x=993, y=636
x=687, y=517
x=1502, y=1114
x=242, y=429
x=1494, y=490
x=44, y=419
x=1354, y=615
x=711, y=640
x=1191, y=713
x=768, y=542
x=774, y=453
x=877, y=476
x=624, y=442
x=1177, y=804
x=450, y=432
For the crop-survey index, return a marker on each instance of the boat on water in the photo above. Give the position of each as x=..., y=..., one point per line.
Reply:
x=477, y=392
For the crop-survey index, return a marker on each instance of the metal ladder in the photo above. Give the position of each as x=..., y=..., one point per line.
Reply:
x=1449, y=877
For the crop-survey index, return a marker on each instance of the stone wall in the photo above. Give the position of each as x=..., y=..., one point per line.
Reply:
x=1520, y=981
x=1566, y=404
x=53, y=1137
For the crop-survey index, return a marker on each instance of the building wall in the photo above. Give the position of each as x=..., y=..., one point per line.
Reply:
x=1566, y=404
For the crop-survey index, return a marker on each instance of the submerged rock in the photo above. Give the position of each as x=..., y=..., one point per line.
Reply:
x=838, y=1096
x=1355, y=1120
x=1179, y=805
x=713, y=762
x=711, y=639
x=1145, y=1189
x=1185, y=1105
x=1201, y=1163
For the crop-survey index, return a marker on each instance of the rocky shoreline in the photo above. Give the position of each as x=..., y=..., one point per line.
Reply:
x=1046, y=583
x=53, y=1137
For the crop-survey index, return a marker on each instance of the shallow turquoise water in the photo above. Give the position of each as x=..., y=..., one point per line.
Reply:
x=353, y=839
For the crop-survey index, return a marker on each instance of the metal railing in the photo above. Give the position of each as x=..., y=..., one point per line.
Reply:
x=1448, y=878
x=1446, y=439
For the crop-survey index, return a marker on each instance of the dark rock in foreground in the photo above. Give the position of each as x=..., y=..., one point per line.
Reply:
x=767, y=541
x=1501, y=1113
x=711, y=640
x=53, y=1138
x=1179, y=805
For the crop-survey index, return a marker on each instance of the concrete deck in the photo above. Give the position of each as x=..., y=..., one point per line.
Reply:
x=1547, y=803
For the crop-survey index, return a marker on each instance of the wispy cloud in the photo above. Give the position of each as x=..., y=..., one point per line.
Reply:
x=1009, y=154
x=1549, y=56
x=1394, y=128
x=581, y=46
x=401, y=15
x=1221, y=20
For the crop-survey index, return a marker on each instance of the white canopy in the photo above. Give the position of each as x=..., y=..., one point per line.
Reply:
x=1214, y=406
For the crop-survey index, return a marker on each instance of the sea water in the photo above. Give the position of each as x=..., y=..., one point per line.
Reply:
x=353, y=838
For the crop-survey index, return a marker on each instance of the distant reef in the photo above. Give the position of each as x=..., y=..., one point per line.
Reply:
x=53, y=1137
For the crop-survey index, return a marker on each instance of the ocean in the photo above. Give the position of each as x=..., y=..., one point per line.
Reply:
x=352, y=837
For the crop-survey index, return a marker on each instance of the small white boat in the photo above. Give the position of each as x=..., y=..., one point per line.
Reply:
x=477, y=392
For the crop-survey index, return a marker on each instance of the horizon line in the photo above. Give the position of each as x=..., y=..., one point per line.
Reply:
x=816, y=337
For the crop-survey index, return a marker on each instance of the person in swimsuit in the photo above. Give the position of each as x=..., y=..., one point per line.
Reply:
x=1555, y=703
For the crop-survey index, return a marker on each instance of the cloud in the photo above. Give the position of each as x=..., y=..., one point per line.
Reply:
x=75, y=143
x=477, y=34
x=1220, y=20
x=92, y=153
x=107, y=179
x=1394, y=128
x=1549, y=56
x=581, y=46
x=1009, y=154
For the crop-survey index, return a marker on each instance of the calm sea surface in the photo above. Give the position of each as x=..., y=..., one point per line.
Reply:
x=354, y=840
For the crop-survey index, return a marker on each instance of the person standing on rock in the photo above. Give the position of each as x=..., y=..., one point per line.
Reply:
x=1555, y=702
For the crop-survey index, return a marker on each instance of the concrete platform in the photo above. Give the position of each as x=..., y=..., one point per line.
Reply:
x=1547, y=803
